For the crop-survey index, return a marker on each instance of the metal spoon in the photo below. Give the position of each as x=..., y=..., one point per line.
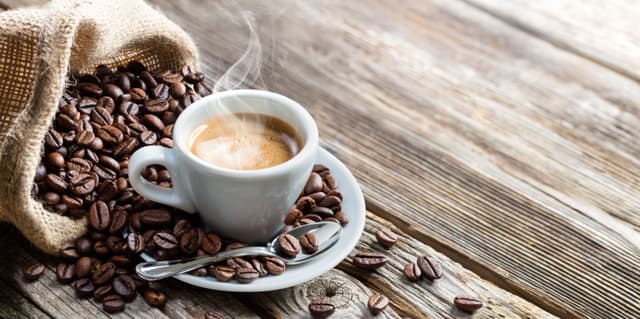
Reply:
x=327, y=234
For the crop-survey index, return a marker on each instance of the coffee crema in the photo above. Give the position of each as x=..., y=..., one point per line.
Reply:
x=245, y=141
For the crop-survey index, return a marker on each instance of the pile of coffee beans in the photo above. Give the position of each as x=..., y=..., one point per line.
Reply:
x=103, y=118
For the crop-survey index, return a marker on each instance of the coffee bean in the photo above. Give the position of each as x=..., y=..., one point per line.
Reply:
x=104, y=273
x=83, y=267
x=166, y=142
x=124, y=286
x=323, y=212
x=309, y=243
x=178, y=89
x=109, y=163
x=51, y=198
x=305, y=204
x=113, y=91
x=153, y=122
x=211, y=243
x=101, y=116
x=79, y=165
x=318, y=196
x=386, y=237
x=369, y=260
x=55, y=160
x=288, y=245
x=122, y=261
x=213, y=315
x=102, y=292
x=202, y=89
x=99, y=217
x=84, y=246
x=53, y=139
x=321, y=308
x=163, y=175
x=91, y=156
x=275, y=266
x=125, y=148
x=72, y=202
x=118, y=220
x=259, y=267
x=100, y=249
x=314, y=184
x=154, y=297
x=104, y=173
x=85, y=138
x=82, y=184
x=89, y=89
x=155, y=217
x=110, y=135
x=246, y=275
x=115, y=244
x=112, y=303
x=148, y=138
x=331, y=182
x=293, y=215
x=135, y=242
x=430, y=267
x=156, y=105
x=377, y=303
x=165, y=240
x=342, y=217
x=412, y=272
x=224, y=273
x=84, y=287
x=64, y=123
x=65, y=272
x=56, y=183
x=467, y=303
x=191, y=240
x=330, y=201
x=161, y=91
x=32, y=271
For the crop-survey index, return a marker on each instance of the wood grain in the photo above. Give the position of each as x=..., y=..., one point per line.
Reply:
x=511, y=155
x=603, y=31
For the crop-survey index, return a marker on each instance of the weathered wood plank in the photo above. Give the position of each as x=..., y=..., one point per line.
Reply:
x=511, y=155
x=603, y=31
x=14, y=305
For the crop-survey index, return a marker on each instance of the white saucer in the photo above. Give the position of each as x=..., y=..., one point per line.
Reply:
x=353, y=205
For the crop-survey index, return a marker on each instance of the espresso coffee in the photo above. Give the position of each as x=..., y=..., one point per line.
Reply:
x=245, y=141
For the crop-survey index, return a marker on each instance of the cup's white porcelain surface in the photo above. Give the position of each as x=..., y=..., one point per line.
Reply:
x=352, y=205
x=247, y=205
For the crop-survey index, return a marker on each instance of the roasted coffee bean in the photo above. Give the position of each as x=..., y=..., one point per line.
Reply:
x=79, y=165
x=107, y=190
x=165, y=240
x=238, y=262
x=69, y=252
x=109, y=163
x=135, y=242
x=84, y=287
x=321, y=308
x=118, y=220
x=193, y=77
x=100, y=249
x=101, y=116
x=83, y=267
x=412, y=272
x=110, y=135
x=430, y=267
x=369, y=260
x=156, y=105
x=275, y=266
x=309, y=243
x=141, y=284
x=104, y=173
x=377, y=303
x=246, y=275
x=213, y=315
x=181, y=227
x=32, y=271
x=314, y=184
x=84, y=246
x=122, y=261
x=235, y=245
x=65, y=272
x=259, y=267
x=82, y=184
x=331, y=182
x=112, y=303
x=200, y=272
x=72, y=202
x=288, y=245
x=178, y=89
x=153, y=122
x=113, y=91
x=330, y=201
x=467, y=303
x=171, y=77
x=53, y=139
x=163, y=175
x=86, y=104
x=191, y=240
x=386, y=237
x=56, y=183
x=99, y=216
x=161, y=91
x=138, y=95
x=320, y=169
x=125, y=148
x=51, y=198
x=104, y=273
x=124, y=286
x=332, y=219
x=155, y=217
x=55, y=160
x=323, y=212
x=122, y=80
x=65, y=123
x=313, y=217
x=202, y=89
x=89, y=89
x=167, y=131
x=115, y=244
x=211, y=244
x=154, y=298
x=41, y=173
x=305, y=204
x=102, y=292
x=223, y=273
x=106, y=103
x=293, y=215
x=342, y=217
x=166, y=142
x=91, y=156
x=318, y=196
x=148, y=138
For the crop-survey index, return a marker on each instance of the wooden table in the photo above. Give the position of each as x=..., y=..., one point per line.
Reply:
x=500, y=137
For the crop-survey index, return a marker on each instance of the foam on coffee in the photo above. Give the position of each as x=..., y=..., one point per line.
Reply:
x=245, y=141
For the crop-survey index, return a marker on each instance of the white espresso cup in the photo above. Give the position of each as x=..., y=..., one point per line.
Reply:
x=245, y=205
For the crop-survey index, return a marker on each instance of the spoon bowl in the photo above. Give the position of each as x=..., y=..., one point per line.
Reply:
x=327, y=234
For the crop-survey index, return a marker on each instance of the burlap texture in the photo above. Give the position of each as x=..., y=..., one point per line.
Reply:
x=38, y=47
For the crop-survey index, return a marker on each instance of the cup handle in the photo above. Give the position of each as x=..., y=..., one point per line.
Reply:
x=158, y=155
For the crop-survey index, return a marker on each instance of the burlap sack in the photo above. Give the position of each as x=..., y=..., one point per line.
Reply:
x=38, y=47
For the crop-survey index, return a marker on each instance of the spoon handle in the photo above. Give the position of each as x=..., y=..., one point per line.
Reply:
x=157, y=270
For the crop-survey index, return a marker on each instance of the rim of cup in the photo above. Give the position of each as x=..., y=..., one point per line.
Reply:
x=310, y=134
